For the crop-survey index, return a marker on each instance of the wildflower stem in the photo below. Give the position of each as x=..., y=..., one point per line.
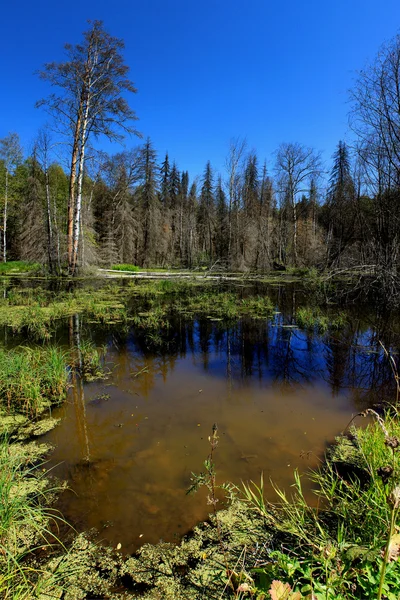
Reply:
x=386, y=555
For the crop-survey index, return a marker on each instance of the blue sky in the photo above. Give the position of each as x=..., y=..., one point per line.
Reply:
x=208, y=71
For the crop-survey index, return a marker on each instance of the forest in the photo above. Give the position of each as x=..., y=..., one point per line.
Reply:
x=69, y=205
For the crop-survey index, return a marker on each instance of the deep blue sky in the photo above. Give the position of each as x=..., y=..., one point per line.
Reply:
x=207, y=71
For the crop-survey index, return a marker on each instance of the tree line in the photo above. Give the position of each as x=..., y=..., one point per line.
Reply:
x=87, y=207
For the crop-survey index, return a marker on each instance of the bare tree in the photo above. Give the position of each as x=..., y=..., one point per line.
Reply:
x=375, y=117
x=11, y=154
x=237, y=148
x=90, y=103
x=42, y=151
x=375, y=112
x=295, y=166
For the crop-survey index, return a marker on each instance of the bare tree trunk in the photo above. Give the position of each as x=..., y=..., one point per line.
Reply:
x=50, y=245
x=295, y=232
x=78, y=204
x=72, y=185
x=5, y=220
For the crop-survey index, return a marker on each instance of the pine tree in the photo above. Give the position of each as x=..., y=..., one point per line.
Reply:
x=341, y=206
x=206, y=215
x=165, y=182
x=147, y=194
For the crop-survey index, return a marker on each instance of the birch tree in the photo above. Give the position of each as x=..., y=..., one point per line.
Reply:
x=89, y=103
x=295, y=166
x=11, y=154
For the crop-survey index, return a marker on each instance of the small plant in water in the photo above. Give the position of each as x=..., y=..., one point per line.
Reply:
x=207, y=478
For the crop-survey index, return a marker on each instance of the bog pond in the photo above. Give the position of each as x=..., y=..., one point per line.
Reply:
x=279, y=387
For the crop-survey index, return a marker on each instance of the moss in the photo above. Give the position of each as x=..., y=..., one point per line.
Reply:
x=87, y=569
x=162, y=571
x=346, y=451
x=29, y=453
x=197, y=565
x=38, y=428
x=10, y=424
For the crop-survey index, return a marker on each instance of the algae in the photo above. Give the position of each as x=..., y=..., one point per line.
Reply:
x=192, y=570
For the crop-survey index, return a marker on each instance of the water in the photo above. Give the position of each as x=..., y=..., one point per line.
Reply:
x=128, y=445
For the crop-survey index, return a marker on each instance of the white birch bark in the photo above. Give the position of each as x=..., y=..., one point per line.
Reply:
x=5, y=220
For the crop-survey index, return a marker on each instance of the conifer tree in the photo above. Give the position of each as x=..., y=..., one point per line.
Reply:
x=206, y=215
x=341, y=205
x=147, y=194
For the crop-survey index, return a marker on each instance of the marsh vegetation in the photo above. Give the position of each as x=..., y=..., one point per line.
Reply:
x=122, y=380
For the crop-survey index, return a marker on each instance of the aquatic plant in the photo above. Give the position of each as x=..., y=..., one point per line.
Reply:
x=89, y=360
x=220, y=303
x=313, y=318
x=207, y=478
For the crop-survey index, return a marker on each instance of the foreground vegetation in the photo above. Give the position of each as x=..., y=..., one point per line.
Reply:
x=344, y=545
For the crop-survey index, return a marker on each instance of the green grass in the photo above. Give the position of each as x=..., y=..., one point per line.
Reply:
x=32, y=379
x=25, y=521
x=333, y=548
x=314, y=319
x=125, y=267
x=17, y=267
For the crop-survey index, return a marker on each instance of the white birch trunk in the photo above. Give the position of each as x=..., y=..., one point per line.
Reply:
x=5, y=220
x=78, y=204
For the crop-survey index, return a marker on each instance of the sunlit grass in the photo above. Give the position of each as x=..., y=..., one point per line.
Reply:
x=18, y=267
x=312, y=318
x=32, y=378
x=125, y=267
x=27, y=524
x=333, y=548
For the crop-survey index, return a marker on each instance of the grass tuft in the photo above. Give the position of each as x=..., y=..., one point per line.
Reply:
x=32, y=379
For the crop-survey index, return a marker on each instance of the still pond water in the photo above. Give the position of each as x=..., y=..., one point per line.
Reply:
x=127, y=445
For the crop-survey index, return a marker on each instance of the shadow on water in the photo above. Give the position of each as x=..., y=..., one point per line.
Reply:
x=128, y=445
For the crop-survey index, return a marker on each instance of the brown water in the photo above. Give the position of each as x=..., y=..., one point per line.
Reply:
x=128, y=445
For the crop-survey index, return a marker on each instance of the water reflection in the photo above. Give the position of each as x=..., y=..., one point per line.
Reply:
x=129, y=444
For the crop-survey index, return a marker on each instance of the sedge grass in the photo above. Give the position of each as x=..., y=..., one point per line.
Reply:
x=26, y=522
x=31, y=379
x=338, y=547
